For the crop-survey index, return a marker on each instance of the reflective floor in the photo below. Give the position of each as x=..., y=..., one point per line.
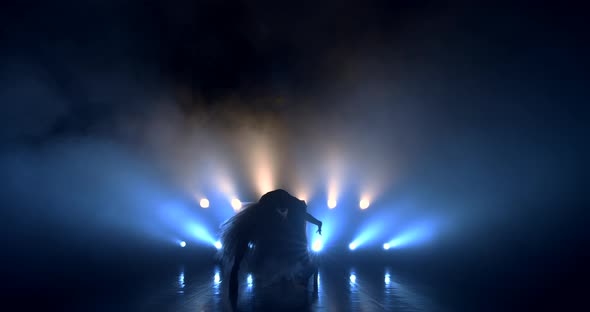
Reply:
x=338, y=289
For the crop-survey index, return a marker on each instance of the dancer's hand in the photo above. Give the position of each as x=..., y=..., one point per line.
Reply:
x=319, y=231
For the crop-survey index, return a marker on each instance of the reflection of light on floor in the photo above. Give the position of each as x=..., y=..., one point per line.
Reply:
x=217, y=283
x=320, y=291
x=181, y=282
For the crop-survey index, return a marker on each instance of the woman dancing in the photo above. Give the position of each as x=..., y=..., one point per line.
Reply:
x=271, y=235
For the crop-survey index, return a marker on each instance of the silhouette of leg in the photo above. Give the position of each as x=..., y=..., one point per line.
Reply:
x=233, y=278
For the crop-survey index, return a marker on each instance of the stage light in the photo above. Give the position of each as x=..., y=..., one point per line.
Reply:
x=387, y=279
x=352, y=246
x=250, y=280
x=386, y=246
x=204, y=203
x=182, y=244
x=331, y=203
x=352, y=278
x=317, y=245
x=217, y=245
x=250, y=245
x=364, y=204
x=236, y=204
x=217, y=278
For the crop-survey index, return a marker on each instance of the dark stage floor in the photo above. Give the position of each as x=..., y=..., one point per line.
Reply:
x=345, y=288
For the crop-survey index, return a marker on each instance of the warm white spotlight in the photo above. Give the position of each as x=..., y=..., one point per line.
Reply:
x=386, y=246
x=352, y=246
x=217, y=244
x=331, y=203
x=317, y=245
x=236, y=204
x=364, y=204
x=204, y=203
x=182, y=244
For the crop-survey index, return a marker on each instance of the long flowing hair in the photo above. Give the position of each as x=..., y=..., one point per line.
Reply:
x=259, y=228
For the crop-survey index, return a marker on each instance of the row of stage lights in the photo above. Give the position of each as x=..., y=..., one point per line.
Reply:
x=408, y=237
x=316, y=246
x=237, y=204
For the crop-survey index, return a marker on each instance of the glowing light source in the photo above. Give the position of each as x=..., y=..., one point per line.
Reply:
x=204, y=203
x=352, y=278
x=250, y=280
x=217, y=278
x=386, y=246
x=217, y=244
x=332, y=203
x=352, y=246
x=236, y=204
x=317, y=245
x=364, y=204
x=387, y=279
x=182, y=244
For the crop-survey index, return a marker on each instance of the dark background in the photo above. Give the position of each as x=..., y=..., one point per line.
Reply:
x=482, y=103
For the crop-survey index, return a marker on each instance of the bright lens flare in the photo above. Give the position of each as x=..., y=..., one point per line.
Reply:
x=182, y=244
x=204, y=203
x=317, y=246
x=364, y=204
x=331, y=203
x=386, y=246
x=217, y=244
x=352, y=246
x=236, y=204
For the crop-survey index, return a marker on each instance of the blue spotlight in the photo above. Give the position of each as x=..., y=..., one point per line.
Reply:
x=352, y=278
x=250, y=245
x=182, y=244
x=200, y=233
x=217, y=245
x=386, y=246
x=317, y=245
x=250, y=280
x=410, y=237
x=368, y=233
x=216, y=278
x=387, y=279
x=319, y=242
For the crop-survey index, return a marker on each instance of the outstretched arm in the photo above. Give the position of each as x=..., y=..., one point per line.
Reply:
x=309, y=218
